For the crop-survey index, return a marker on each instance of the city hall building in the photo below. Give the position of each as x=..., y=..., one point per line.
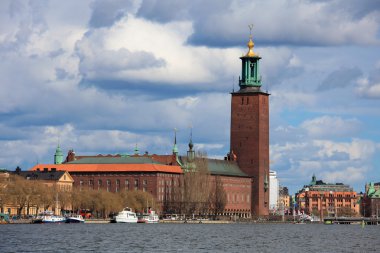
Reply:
x=244, y=172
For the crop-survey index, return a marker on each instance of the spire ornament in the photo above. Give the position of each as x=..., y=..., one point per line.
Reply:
x=136, y=150
x=175, y=148
x=191, y=145
x=250, y=43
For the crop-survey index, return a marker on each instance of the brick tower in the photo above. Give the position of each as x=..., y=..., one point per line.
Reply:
x=250, y=130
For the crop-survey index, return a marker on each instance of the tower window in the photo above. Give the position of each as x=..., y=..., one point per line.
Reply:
x=247, y=100
x=242, y=100
x=252, y=69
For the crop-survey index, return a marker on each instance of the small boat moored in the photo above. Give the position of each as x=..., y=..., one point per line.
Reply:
x=74, y=219
x=126, y=216
x=49, y=217
x=149, y=217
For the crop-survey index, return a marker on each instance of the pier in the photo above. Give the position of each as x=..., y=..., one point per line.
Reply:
x=352, y=220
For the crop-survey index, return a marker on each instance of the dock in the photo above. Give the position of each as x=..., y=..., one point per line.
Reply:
x=352, y=220
x=97, y=221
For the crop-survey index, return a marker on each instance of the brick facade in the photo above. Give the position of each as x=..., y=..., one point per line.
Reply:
x=250, y=144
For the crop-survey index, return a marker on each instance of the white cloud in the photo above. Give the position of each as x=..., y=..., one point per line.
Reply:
x=356, y=150
x=282, y=99
x=188, y=102
x=369, y=91
x=328, y=126
x=348, y=175
x=184, y=64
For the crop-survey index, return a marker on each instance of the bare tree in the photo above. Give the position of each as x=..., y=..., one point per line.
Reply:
x=137, y=200
x=196, y=187
x=18, y=191
x=218, y=198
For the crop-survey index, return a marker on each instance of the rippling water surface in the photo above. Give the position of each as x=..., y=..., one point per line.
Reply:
x=188, y=238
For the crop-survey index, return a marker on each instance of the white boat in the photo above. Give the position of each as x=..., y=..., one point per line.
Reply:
x=49, y=217
x=126, y=216
x=75, y=219
x=150, y=217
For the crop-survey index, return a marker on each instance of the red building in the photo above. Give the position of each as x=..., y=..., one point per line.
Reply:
x=158, y=175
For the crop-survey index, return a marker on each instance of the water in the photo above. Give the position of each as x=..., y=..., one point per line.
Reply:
x=188, y=238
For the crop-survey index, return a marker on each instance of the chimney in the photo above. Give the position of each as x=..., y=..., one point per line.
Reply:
x=46, y=169
x=53, y=169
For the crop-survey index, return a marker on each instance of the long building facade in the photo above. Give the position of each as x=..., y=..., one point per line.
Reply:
x=159, y=175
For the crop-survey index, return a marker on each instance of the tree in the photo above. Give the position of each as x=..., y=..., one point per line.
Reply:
x=218, y=197
x=196, y=187
x=137, y=200
x=346, y=211
x=18, y=191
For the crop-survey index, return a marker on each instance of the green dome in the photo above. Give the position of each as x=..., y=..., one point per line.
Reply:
x=58, y=156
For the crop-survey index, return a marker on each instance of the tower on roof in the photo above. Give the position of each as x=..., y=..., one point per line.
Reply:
x=191, y=152
x=313, y=180
x=58, y=156
x=136, y=150
x=175, y=148
x=250, y=74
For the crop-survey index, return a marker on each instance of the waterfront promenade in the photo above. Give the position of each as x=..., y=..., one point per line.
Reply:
x=327, y=220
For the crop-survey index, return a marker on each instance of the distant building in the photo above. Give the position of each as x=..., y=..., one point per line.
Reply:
x=284, y=199
x=273, y=191
x=374, y=186
x=62, y=180
x=50, y=178
x=319, y=198
x=371, y=200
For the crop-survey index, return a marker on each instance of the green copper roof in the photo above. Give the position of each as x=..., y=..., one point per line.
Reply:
x=372, y=192
x=313, y=180
x=225, y=168
x=136, y=150
x=58, y=156
x=115, y=160
x=218, y=167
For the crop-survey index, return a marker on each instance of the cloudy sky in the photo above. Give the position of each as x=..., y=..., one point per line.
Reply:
x=103, y=76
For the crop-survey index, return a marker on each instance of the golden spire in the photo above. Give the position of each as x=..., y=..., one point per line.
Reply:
x=250, y=43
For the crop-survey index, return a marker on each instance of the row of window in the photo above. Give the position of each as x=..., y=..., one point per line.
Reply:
x=167, y=182
x=332, y=196
x=238, y=198
x=127, y=187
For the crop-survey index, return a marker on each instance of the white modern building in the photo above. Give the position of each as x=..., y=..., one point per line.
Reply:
x=273, y=191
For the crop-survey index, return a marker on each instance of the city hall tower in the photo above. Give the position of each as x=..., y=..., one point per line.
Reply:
x=249, y=142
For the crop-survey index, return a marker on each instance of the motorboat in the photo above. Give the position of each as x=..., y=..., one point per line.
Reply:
x=150, y=217
x=74, y=219
x=126, y=216
x=49, y=217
